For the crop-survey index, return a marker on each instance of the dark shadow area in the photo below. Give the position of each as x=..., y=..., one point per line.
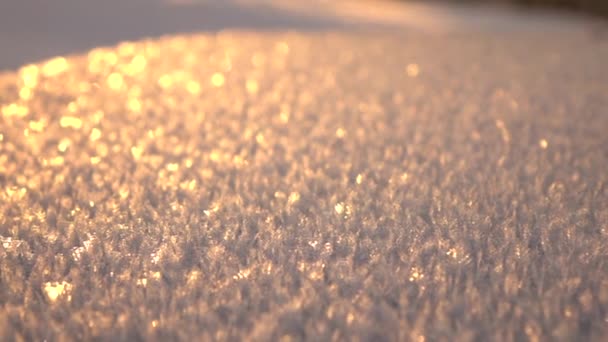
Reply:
x=31, y=30
x=595, y=7
x=592, y=7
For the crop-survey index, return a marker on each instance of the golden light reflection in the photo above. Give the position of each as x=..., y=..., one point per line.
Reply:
x=37, y=126
x=56, y=161
x=350, y=318
x=340, y=133
x=97, y=116
x=452, y=253
x=214, y=209
x=29, y=76
x=100, y=59
x=266, y=268
x=252, y=86
x=123, y=192
x=25, y=93
x=217, y=79
x=188, y=185
x=115, y=81
x=243, y=274
x=134, y=105
x=416, y=274
x=55, y=67
x=283, y=48
x=260, y=139
x=72, y=107
x=284, y=114
x=54, y=290
x=15, y=109
x=412, y=70
x=126, y=49
x=15, y=193
x=214, y=156
x=137, y=152
x=64, y=144
x=193, y=277
x=339, y=208
x=165, y=81
x=70, y=122
x=238, y=161
x=137, y=65
x=193, y=87
x=293, y=198
x=95, y=134
x=543, y=144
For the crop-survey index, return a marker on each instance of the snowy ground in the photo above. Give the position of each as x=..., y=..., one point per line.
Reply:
x=364, y=176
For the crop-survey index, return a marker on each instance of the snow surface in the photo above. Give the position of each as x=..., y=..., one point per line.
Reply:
x=319, y=186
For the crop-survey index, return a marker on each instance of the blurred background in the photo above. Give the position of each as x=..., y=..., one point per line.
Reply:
x=598, y=7
x=33, y=30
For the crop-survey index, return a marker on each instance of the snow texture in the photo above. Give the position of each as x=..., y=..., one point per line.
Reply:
x=318, y=186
